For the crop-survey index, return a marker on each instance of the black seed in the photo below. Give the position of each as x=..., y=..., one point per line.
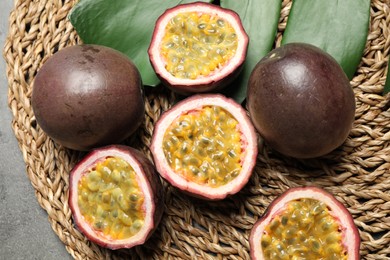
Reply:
x=284, y=220
x=202, y=26
x=134, y=197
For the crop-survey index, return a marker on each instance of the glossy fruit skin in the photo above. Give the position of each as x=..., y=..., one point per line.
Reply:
x=188, y=187
x=300, y=101
x=351, y=238
x=207, y=84
x=86, y=96
x=146, y=169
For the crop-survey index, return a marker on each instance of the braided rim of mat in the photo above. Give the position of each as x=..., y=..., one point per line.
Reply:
x=358, y=173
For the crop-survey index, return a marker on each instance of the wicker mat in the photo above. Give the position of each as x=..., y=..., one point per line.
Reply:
x=358, y=173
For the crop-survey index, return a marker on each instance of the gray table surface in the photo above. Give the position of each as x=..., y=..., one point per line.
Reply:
x=25, y=232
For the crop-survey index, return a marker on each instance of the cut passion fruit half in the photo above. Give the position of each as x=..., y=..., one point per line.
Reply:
x=305, y=223
x=116, y=197
x=198, y=47
x=205, y=145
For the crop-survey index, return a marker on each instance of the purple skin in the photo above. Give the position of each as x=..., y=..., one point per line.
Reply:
x=300, y=101
x=86, y=96
x=148, y=170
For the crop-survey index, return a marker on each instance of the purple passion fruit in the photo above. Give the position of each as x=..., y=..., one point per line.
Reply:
x=198, y=47
x=206, y=146
x=305, y=223
x=116, y=197
x=86, y=96
x=300, y=101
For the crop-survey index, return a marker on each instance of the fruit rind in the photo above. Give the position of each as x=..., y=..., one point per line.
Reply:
x=300, y=101
x=337, y=209
x=87, y=96
x=217, y=80
x=249, y=137
x=149, y=182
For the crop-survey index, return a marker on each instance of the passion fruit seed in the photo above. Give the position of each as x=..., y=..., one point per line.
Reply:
x=304, y=230
x=204, y=146
x=196, y=44
x=111, y=200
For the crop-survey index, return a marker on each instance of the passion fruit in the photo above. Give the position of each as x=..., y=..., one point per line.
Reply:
x=116, y=197
x=301, y=101
x=86, y=96
x=198, y=47
x=206, y=146
x=305, y=223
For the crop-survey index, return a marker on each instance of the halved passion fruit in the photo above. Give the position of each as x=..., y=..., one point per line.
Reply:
x=198, y=47
x=116, y=197
x=305, y=223
x=206, y=146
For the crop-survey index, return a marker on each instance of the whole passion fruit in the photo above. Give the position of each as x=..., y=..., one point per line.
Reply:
x=198, y=47
x=305, y=223
x=86, y=96
x=300, y=101
x=116, y=197
x=206, y=146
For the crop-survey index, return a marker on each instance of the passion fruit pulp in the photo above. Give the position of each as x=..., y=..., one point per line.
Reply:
x=206, y=146
x=301, y=101
x=116, y=197
x=305, y=223
x=198, y=47
x=87, y=96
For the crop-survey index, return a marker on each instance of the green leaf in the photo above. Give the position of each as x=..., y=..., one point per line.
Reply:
x=339, y=27
x=124, y=25
x=387, y=84
x=260, y=20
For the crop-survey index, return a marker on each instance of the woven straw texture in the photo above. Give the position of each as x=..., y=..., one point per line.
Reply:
x=358, y=173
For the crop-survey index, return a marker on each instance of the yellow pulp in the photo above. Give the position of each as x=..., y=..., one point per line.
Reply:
x=196, y=44
x=204, y=146
x=111, y=200
x=305, y=230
